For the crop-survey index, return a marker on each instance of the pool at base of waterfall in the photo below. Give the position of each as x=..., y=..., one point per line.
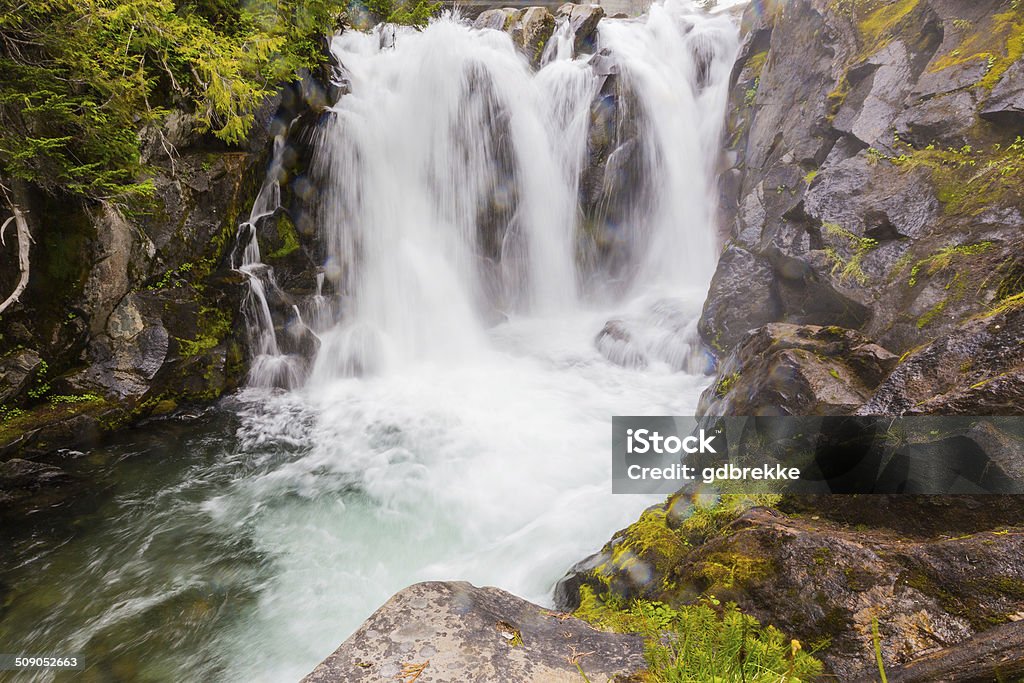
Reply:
x=246, y=542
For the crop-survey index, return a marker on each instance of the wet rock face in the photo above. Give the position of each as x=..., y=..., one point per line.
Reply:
x=975, y=369
x=17, y=370
x=530, y=28
x=1006, y=103
x=22, y=480
x=887, y=187
x=584, y=20
x=455, y=632
x=783, y=369
x=728, y=315
x=128, y=310
x=135, y=308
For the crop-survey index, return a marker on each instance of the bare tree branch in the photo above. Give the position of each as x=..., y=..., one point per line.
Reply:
x=24, y=240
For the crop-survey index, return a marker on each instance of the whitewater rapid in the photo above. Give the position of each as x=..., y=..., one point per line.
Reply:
x=456, y=421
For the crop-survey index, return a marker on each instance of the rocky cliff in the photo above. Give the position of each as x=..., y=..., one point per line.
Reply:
x=131, y=310
x=872, y=263
x=874, y=183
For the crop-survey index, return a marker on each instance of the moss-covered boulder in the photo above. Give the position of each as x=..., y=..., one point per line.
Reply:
x=825, y=582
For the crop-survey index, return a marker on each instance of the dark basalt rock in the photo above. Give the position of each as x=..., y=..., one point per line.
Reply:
x=17, y=371
x=725, y=320
x=584, y=20
x=893, y=120
x=459, y=633
x=976, y=369
x=783, y=369
x=35, y=484
x=1006, y=103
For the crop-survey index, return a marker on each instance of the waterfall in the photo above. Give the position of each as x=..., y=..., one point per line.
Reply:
x=451, y=186
x=507, y=258
x=494, y=261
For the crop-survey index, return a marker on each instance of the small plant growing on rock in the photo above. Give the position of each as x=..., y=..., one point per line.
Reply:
x=704, y=642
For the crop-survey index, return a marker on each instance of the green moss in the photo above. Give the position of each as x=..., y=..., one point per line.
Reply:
x=850, y=269
x=177, y=277
x=967, y=180
x=1005, y=306
x=756, y=63
x=750, y=96
x=74, y=398
x=822, y=556
x=727, y=570
x=663, y=537
x=838, y=96
x=164, y=406
x=21, y=422
x=945, y=258
x=213, y=325
x=997, y=43
x=1010, y=274
x=288, y=236
x=810, y=176
x=727, y=384
x=651, y=538
x=931, y=314
x=878, y=27
x=698, y=522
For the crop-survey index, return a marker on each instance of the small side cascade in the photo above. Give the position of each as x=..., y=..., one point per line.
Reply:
x=269, y=367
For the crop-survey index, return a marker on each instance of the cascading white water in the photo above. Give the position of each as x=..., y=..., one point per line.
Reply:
x=269, y=367
x=455, y=423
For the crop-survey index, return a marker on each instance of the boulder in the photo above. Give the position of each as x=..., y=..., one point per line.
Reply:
x=784, y=369
x=17, y=370
x=583, y=19
x=497, y=19
x=742, y=297
x=530, y=28
x=823, y=582
x=37, y=484
x=535, y=29
x=455, y=632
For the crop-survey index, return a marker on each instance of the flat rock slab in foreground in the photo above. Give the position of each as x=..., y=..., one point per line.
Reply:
x=476, y=634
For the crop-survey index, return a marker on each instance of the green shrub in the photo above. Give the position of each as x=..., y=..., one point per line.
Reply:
x=704, y=642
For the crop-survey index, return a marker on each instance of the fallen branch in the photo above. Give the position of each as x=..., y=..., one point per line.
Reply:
x=24, y=240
